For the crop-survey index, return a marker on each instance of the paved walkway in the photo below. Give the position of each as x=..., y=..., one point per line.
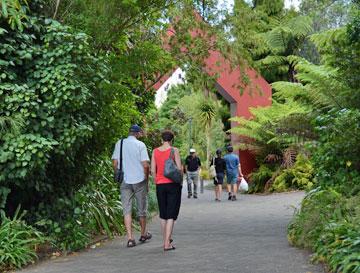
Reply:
x=247, y=236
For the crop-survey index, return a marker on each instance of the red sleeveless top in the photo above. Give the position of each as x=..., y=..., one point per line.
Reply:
x=160, y=158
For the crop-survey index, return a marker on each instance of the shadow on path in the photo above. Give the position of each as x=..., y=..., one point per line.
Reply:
x=247, y=236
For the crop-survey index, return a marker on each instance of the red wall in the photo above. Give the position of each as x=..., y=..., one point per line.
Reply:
x=256, y=94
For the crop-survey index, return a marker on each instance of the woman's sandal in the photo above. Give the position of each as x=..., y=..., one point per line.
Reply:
x=145, y=237
x=170, y=248
x=131, y=243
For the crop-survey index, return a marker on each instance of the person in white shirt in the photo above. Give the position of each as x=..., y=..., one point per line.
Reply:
x=135, y=165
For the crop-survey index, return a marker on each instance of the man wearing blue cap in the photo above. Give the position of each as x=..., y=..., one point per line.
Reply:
x=135, y=165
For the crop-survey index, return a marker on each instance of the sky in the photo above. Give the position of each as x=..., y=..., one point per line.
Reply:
x=288, y=3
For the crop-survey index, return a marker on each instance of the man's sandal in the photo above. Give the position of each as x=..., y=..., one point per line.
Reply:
x=170, y=248
x=146, y=237
x=131, y=243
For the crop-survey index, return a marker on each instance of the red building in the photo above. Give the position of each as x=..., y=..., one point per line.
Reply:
x=240, y=96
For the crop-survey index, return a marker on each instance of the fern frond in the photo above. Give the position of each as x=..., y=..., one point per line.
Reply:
x=325, y=40
x=301, y=26
x=288, y=90
x=323, y=85
x=272, y=60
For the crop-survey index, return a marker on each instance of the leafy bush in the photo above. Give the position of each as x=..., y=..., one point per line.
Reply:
x=336, y=154
x=339, y=246
x=60, y=89
x=62, y=221
x=18, y=242
x=328, y=223
x=300, y=176
x=94, y=208
x=259, y=178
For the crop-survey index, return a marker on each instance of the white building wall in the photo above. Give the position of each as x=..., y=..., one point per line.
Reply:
x=178, y=77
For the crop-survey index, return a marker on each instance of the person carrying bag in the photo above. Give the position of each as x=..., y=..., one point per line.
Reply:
x=166, y=170
x=171, y=171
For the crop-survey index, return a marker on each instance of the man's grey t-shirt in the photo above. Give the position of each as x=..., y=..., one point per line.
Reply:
x=134, y=152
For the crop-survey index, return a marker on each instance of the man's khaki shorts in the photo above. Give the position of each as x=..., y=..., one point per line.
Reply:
x=139, y=191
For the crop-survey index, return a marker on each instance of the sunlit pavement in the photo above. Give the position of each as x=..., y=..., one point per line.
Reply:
x=247, y=235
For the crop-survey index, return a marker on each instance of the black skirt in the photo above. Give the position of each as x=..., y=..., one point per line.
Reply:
x=169, y=200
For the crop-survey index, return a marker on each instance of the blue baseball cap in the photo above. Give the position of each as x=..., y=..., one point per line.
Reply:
x=135, y=128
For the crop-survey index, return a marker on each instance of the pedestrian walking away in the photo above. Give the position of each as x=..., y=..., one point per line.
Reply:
x=168, y=192
x=220, y=167
x=192, y=164
x=233, y=172
x=136, y=167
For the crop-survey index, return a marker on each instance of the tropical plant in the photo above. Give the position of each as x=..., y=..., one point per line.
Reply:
x=284, y=41
x=267, y=132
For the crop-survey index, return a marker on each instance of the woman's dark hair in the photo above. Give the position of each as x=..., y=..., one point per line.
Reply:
x=230, y=149
x=218, y=151
x=167, y=135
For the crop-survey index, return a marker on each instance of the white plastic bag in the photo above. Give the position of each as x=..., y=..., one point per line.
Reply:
x=212, y=170
x=243, y=185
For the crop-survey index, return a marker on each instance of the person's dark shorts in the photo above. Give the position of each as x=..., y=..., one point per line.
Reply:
x=219, y=179
x=169, y=200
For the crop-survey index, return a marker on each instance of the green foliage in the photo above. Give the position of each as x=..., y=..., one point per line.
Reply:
x=18, y=242
x=207, y=134
x=14, y=12
x=259, y=178
x=99, y=201
x=336, y=155
x=62, y=221
x=328, y=222
x=40, y=84
x=268, y=129
x=194, y=120
x=299, y=176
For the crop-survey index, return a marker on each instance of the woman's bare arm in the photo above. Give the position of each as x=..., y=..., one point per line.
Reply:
x=153, y=164
x=178, y=160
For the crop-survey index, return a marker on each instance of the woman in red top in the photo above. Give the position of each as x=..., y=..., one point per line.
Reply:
x=168, y=193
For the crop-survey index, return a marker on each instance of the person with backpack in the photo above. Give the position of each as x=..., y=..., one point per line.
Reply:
x=220, y=167
x=192, y=164
x=131, y=157
x=168, y=190
x=233, y=172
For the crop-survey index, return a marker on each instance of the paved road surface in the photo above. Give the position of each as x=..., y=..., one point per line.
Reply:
x=246, y=236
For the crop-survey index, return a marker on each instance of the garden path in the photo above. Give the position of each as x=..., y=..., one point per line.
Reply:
x=247, y=236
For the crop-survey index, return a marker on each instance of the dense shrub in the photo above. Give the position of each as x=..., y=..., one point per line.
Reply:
x=259, y=178
x=57, y=91
x=93, y=209
x=328, y=223
x=336, y=154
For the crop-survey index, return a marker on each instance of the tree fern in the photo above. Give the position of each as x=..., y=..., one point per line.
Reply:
x=265, y=131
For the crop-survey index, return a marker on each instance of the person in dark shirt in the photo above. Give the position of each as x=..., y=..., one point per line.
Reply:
x=192, y=164
x=220, y=167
